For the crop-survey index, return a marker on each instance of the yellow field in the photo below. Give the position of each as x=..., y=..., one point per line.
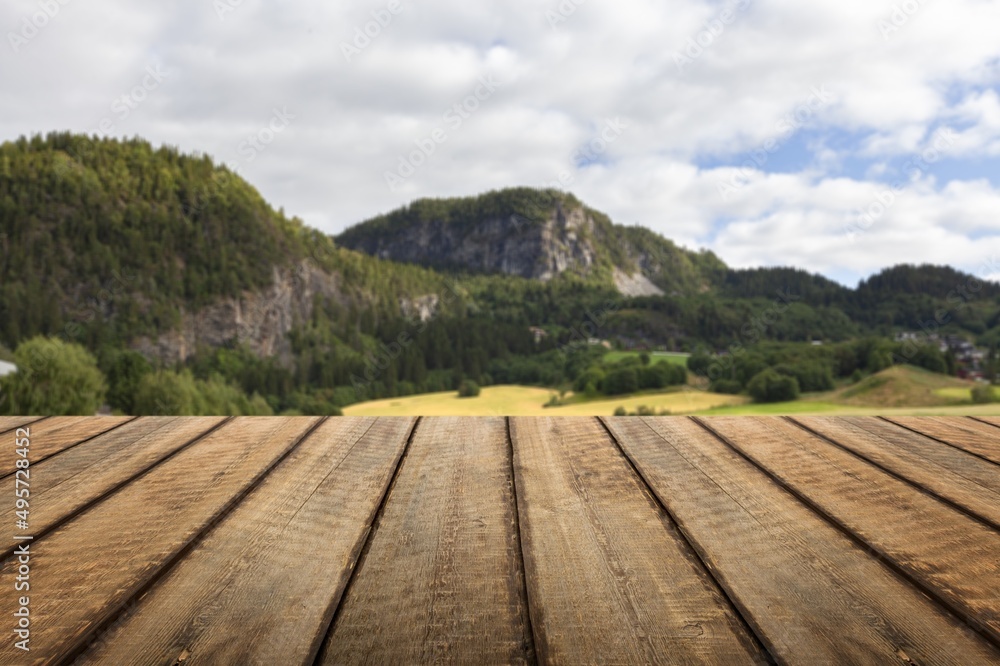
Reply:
x=528, y=401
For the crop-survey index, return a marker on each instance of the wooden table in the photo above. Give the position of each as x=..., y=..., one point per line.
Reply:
x=729, y=540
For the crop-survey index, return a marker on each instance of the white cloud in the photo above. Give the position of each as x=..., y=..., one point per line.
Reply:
x=354, y=119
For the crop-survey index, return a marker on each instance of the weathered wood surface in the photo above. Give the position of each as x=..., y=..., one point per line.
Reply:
x=762, y=543
x=441, y=581
x=52, y=435
x=951, y=555
x=610, y=579
x=811, y=540
x=85, y=572
x=67, y=483
x=8, y=423
x=976, y=437
x=264, y=584
x=944, y=471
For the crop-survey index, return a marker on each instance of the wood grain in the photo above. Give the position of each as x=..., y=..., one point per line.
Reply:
x=964, y=433
x=610, y=579
x=441, y=579
x=968, y=481
x=8, y=423
x=63, y=484
x=261, y=588
x=801, y=582
x=56, y=433
x=86, y=571
x=949, y=554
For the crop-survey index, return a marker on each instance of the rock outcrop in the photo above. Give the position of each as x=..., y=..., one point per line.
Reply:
x=260, y=320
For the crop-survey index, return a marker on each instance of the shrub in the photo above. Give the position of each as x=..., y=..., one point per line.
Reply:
x=468, y=389
x=984, y=395
x=812, y=376
x=772, y=386
x=726, y=386
x=53, y=378
x=621, y=382
x=699, y=362
x=621, y=411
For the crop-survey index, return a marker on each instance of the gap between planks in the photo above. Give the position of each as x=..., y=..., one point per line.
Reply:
x=83, y=643
x=741, y=612
x=926, y=587
x=930, y=492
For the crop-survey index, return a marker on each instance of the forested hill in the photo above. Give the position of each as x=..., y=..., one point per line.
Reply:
x=116, y=239
x=117, y=244
x=539, y=234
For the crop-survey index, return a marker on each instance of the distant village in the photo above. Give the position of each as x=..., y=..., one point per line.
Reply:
x=971, y=360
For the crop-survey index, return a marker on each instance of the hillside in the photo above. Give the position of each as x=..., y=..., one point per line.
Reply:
x=117, y=245
x=536, y=234
x=114, y=241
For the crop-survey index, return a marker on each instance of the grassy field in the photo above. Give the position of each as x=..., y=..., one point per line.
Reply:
x=808, y=407
x=898, y=390
x=672, y=357
x=962, y=394
x=528, y=401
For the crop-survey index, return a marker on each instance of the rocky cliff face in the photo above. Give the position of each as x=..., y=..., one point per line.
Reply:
x=509, y=244
x=261, y=320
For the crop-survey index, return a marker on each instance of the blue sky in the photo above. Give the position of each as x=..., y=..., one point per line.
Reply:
x=646, y=110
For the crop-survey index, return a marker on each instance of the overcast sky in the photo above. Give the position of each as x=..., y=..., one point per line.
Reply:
x=841, y=136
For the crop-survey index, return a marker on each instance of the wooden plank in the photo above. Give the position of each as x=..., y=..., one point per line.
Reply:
x=262, y=587
x=991, y=420
x=63, y=484
x=801, y=583
x=964, y=433
x=970, y=482
x=57, y=433
x=952, y=556
x=441, y=579
x=8, y=423
x=610, y=579
x=84, y=573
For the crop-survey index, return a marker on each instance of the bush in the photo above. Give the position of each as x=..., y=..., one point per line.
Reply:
x=929, y=358
x=166, y=394
x=699, y=362
x=621, y=382
x=726, y=386
x=621, y=411
x=812, y=376
x=772, y=386
x=984, y=395
x=125, y=371
x=468, y=389
x=53, y=378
